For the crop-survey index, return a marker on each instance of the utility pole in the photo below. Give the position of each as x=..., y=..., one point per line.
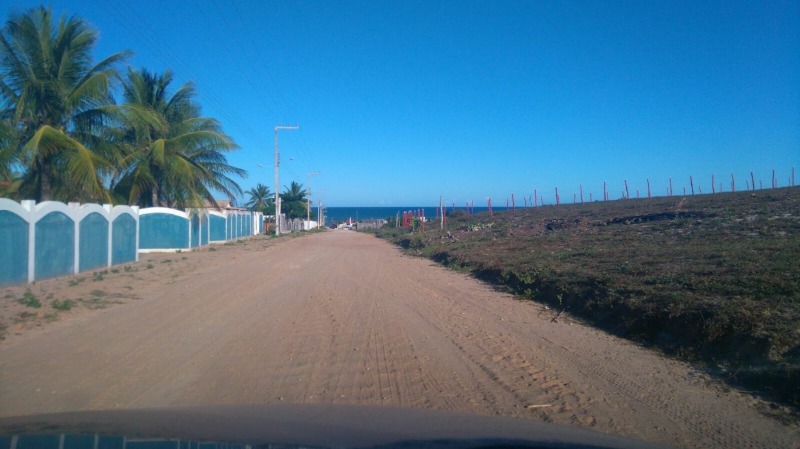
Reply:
x=320, y=209
x=277, y=183
x=308, y=198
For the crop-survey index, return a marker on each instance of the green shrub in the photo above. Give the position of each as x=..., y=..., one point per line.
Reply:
x=30, y=300
x=62, y=305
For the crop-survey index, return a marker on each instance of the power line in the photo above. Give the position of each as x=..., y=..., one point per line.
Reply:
x=302, y=148
x=142, y=32
x=254, y=83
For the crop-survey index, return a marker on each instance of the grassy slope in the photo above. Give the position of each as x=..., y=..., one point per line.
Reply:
x=711, y=278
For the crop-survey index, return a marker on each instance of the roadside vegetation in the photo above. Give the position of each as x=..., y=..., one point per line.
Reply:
x=713, y=279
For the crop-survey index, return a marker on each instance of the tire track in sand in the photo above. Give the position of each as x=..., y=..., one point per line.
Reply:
x=341, y=317
x=716, y=426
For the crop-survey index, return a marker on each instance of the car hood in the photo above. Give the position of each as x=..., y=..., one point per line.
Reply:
x=313, y=425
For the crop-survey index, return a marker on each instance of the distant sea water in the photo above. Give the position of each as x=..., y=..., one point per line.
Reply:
x=340, y=214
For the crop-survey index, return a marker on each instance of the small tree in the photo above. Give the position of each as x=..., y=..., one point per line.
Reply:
x=416, y=224
x=261, y=199
x=294, y=203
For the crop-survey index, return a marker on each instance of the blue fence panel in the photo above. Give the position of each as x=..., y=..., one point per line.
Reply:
x=13, y=248
x=55, y=246
x=217, y=228
x=163, y=231
x=123, y=243
x=93, y=242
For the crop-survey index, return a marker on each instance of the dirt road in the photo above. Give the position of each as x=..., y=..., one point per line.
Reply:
x=341, y=317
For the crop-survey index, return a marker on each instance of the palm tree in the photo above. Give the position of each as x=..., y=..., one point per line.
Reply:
x=293, y=200
x=261, y=198
x=173, y=156
x=57, y=102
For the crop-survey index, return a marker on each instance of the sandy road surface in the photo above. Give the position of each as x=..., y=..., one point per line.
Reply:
x=341, y=317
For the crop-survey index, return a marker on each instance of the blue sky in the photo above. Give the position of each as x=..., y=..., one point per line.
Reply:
x=401, y=102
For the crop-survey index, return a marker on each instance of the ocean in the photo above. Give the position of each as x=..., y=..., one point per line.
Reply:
x=340, y=214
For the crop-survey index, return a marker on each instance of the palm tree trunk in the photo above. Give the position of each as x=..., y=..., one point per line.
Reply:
x=45, y=187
